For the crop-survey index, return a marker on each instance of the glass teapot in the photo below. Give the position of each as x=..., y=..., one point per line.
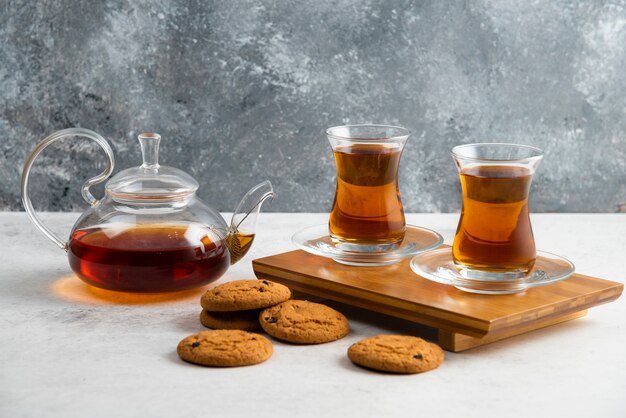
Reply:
x=150, y=232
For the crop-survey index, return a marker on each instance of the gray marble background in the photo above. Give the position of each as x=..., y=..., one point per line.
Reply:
x=242, y=90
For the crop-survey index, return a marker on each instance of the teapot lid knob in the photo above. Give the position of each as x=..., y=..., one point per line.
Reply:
x=150, y=149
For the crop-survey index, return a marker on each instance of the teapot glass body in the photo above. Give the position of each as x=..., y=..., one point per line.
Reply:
x=150, y=232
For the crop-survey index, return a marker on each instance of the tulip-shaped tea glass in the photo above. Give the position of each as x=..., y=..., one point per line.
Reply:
x=494, y=238
x=494, y=248
x=367, y=210
x=366, y=225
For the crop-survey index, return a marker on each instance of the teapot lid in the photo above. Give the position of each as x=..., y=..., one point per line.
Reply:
x=151, y=181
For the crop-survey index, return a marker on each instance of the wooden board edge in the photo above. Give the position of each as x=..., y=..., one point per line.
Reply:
x=556, y=310
x=457, y=342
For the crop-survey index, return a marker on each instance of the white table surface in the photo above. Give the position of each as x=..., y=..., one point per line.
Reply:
x=67, y=350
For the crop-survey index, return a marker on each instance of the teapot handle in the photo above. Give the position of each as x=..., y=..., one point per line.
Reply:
x=110, y=162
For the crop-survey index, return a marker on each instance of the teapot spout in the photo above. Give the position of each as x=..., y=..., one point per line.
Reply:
x=243, y=223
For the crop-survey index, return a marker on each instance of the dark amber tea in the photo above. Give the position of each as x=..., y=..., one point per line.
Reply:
x=494, y=232
x=156, y=258
x=367, y=207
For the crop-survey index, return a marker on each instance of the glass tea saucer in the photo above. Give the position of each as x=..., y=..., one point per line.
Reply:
x=316, y=240
x=439, y=267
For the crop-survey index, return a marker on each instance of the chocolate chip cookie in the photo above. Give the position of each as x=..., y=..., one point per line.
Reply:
x=303, y=322
x=244, y=295
x=244, y=320
x=225, y=348
x=396, y=354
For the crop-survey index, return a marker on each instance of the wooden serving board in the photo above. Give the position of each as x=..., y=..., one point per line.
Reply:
x=463, y=320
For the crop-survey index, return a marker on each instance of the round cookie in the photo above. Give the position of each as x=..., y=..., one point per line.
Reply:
x=244, y=320
x=244, y=295
x=225, y=348
x=303, y=322
x=396, y=354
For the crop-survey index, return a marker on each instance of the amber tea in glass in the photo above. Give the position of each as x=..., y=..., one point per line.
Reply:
x=494, y=238
x=367, y=209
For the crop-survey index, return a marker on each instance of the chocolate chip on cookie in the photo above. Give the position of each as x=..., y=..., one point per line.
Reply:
x=396, y=354
x=244, y=295
x=225, y=348
x=303, y=322
x=244, y=320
